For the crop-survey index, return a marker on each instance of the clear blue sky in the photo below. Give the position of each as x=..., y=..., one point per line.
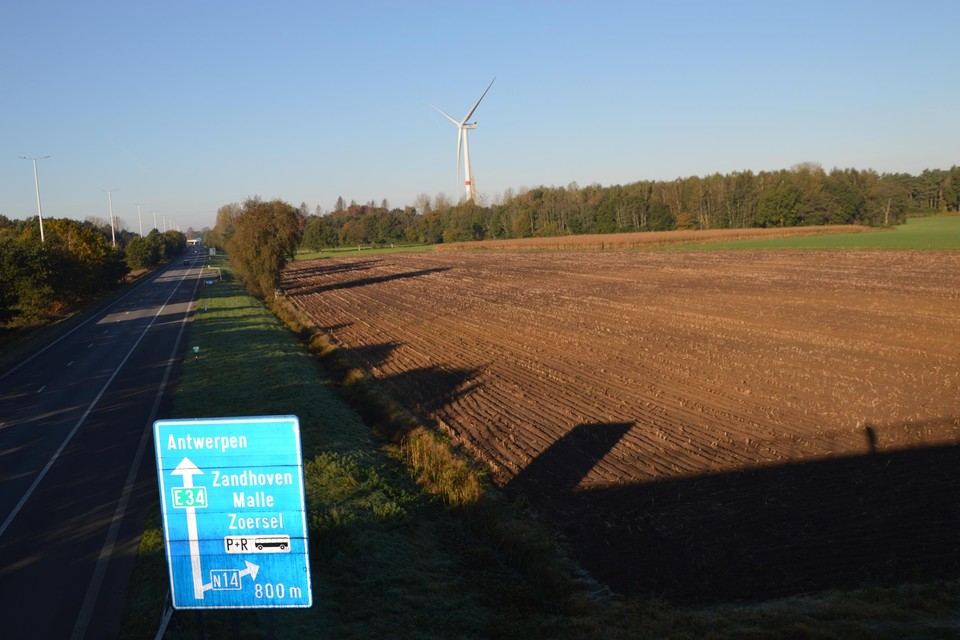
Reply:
x=187, y=106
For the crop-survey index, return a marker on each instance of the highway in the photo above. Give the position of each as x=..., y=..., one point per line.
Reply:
x=77, y=470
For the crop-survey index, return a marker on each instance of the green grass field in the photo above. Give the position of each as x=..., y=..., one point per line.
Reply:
x=941, y=232
x=930, y=233
x=389, y=559
x=347, y=252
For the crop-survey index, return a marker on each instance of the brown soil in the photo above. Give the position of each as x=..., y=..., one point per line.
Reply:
x=701, y=426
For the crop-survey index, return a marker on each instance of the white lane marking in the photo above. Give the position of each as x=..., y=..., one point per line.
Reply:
x=40, y=390
x=70, y=364
x=96, y=582
x=76, y=427
x=95, y=316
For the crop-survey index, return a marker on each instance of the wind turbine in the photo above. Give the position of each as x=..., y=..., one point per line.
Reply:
x=463, y=143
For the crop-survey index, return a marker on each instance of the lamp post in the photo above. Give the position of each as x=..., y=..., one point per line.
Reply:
x=36, y=183
x=113, y=233
x=155, y=221
x=139, y=219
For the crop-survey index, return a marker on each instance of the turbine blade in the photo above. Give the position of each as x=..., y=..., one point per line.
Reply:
x=449, y=117
x=470, y=113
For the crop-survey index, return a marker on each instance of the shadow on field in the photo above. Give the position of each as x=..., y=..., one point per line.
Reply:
x=305, y=272
x=560, y=468
x=883, y=518
x=325, y=267
x=429, y=389
x=425, y=390
x=373, y=355
x=362, y=282
x=333, y=328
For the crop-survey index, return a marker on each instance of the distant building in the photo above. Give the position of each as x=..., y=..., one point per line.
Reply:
x=194, y=241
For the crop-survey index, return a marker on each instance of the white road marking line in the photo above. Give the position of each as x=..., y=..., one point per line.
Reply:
x=96, y=582
x=151, y=281
x=83, y=418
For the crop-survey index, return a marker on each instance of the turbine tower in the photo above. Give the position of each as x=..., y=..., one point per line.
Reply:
x=463, y=143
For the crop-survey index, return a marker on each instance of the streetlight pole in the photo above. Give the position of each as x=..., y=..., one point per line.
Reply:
x=113, y=233
x=36, y=183
x=155, y=221
x=139, y=219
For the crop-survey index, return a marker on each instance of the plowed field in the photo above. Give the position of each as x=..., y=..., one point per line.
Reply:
x=699, y=425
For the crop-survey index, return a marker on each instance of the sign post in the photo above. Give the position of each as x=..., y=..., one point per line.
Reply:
x=234, y=515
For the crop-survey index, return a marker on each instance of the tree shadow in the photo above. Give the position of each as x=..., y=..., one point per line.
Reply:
x=323, y=266
x=373, y=355
x=883, y=518
x=331, y=329
x=423, y=391
x=429, y=389
x=361, y=282
x=567, y=461
x=318, y=268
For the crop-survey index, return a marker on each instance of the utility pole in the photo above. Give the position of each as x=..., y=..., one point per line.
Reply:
x=36, y=183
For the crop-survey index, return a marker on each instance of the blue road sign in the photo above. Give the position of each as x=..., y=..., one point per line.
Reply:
x=234, y=517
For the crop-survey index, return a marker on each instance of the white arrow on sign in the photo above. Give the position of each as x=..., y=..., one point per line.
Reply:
x=251, y=570
x=187, y=469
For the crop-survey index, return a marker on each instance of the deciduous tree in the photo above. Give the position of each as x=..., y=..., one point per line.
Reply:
x=265, y=237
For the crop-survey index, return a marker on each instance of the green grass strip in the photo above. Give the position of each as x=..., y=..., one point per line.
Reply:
x=934, y=233
x=353, y=252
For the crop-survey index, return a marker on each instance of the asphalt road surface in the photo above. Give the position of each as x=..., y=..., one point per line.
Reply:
x=77, y=471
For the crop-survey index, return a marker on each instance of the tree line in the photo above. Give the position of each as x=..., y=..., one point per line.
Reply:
x=261, y=237
x=77, y=261
x=73, y=262
x=805, y=194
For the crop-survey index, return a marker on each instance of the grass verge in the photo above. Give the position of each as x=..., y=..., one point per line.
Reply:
x=408, y=541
